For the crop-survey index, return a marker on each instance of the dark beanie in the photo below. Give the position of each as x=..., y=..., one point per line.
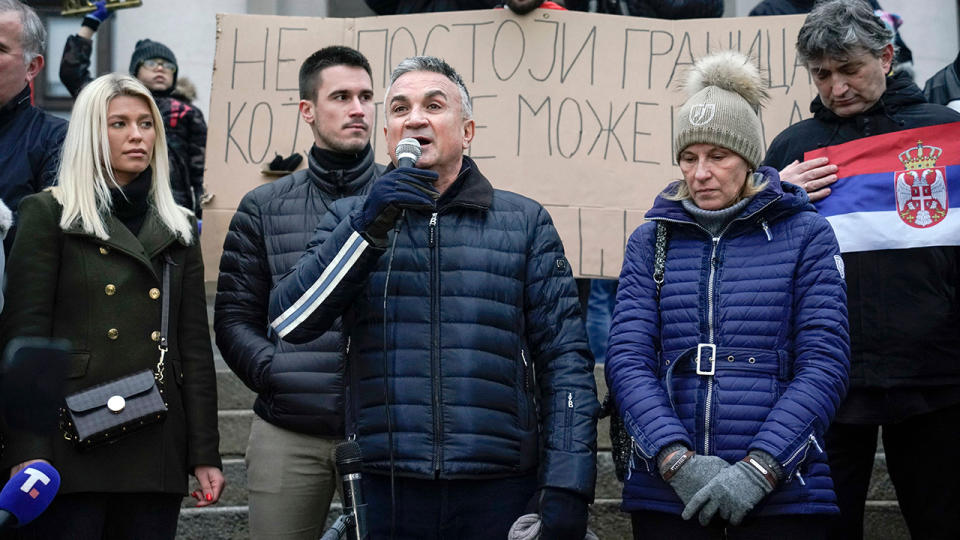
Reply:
x=147, y=49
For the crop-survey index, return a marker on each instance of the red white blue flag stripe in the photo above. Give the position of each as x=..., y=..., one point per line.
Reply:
x=895, y=191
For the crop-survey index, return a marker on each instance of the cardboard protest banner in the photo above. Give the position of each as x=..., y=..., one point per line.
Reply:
x=574, y=110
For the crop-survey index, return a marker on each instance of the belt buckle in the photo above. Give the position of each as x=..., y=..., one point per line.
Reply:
x=713, y=358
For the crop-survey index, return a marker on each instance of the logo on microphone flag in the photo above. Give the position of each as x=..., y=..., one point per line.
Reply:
x=894, y=190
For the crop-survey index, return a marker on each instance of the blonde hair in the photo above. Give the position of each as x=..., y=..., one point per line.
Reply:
x=86, y=173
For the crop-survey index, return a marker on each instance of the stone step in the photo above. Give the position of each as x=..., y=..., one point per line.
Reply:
x=232, y=393
x=235, y=431
x=608, y=487
x=882, y=521
x=235, y=493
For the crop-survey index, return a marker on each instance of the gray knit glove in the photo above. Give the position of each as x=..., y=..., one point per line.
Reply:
x=735, y=491
x=687, y=475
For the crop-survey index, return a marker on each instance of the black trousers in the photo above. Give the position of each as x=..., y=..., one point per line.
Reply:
x=446, y=509
x=923, y=458
x=663, y=526
x=107, y=516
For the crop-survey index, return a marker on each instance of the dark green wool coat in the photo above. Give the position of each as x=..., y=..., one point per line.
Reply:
x=103, y=297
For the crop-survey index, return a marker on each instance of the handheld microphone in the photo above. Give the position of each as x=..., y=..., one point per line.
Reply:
x=32, y=385
x=349, y=463
x=28, y=494
x=408, y=152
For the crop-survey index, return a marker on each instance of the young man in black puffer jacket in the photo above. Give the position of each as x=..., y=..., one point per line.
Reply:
x=300, y=404
x=155, y=65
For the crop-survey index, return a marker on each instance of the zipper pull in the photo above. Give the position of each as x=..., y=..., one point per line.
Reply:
x=569, y=400
x=813, y=439
x=346, y=349
x=433, y=230
x=766, y=229
x=526, y=371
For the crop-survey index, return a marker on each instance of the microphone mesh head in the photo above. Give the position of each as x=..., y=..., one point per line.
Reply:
x=409, y=146
x=348, y=457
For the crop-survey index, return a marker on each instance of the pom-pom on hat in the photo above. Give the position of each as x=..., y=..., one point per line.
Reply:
x=726, y=92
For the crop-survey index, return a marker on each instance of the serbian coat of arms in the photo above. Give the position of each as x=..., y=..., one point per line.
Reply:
x=922, y=187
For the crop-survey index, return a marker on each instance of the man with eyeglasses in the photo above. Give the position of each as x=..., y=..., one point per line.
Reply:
x=155, y=65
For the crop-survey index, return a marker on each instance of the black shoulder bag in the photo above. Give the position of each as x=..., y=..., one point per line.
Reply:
x=620, y=441
x=110, y=411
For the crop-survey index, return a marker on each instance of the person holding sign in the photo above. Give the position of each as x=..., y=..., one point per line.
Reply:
x=893, y=160
x=471, y=388
x=299, y=408
x=155, y=65
x=728, y=350
x=108, y=262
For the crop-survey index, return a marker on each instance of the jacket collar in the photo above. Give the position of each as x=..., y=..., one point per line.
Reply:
x=20, y=101
x=775, y=199
x=471, y=189
x=154, y=237
x=341, y=182
x=901, y=91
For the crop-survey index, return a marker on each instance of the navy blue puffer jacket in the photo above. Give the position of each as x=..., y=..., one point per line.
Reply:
x=481, y=315
x=30, y=142
x=299, y=387
x=768, y=292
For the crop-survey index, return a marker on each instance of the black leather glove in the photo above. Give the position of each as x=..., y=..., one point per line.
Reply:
x=399, y=189
x=563, y=514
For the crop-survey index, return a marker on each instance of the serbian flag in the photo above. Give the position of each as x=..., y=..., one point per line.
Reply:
x=894, y=190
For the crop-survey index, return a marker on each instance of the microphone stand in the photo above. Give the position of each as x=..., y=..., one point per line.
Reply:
x=339, y=527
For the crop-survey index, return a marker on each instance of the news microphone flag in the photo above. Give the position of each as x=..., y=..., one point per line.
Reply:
x=894, y=190
x=30, y=492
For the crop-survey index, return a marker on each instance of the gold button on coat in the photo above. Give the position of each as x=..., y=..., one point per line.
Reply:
x=154, y=293
x=113, y=333
x=104, y=251
x=155, y=335
x=110, y=289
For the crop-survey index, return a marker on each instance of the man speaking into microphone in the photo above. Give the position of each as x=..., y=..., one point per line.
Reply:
x=470, y=384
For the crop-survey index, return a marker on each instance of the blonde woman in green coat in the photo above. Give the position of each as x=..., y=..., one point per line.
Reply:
x=87, y=267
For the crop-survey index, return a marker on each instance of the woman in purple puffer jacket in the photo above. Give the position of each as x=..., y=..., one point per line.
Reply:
x=728, y=373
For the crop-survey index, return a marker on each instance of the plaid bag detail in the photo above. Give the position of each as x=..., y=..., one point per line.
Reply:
x=109, y=411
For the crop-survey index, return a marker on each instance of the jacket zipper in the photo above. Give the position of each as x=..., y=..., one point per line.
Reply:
x=526, y=371
x=435, y=343
x=811, y=440
x=709, y=399
x=568, y=423
x=766, y=229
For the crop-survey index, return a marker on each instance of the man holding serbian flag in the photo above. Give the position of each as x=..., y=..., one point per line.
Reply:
x=883, y=166
x=894, y=190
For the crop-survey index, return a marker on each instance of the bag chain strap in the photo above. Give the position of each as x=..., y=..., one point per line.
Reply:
x=164, y=316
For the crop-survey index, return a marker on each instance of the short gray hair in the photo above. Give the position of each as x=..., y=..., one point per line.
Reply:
x=33, y=38
x=838, y=28
x=434, y=65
